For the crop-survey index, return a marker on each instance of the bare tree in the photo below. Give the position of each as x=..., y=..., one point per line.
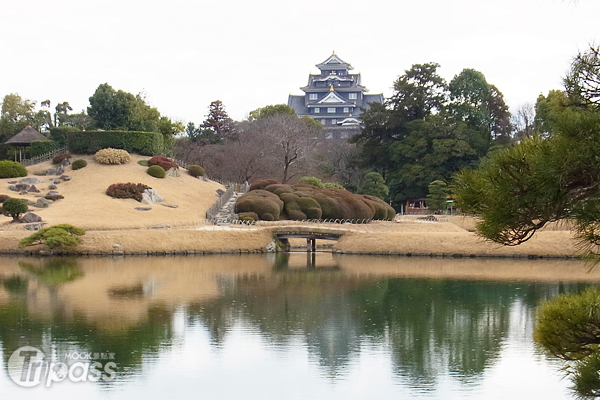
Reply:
x=523, y=120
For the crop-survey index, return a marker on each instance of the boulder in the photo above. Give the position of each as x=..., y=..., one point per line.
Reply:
x=30, y=217
x=150, y=197
x=52, y=193
x=65, y=178
x=55, y=171
x=56, y=181
x=142, y=208
x=30, y=181
x=174, y=172
x=65, y=162
x=34, y=227
x=33, y=189
x=51, y=186
x=18, y=187
x=43, y=203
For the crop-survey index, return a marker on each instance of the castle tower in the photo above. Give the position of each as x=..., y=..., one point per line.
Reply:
x=335, y=97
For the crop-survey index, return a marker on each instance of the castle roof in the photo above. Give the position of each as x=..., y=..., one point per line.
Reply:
x=334, y=63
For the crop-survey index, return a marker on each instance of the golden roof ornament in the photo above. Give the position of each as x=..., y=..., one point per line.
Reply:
x=331, y=88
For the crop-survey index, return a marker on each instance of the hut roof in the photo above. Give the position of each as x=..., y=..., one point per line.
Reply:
x=25, y=137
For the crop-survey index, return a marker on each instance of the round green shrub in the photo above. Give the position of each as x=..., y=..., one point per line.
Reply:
x=15, y=207
x=196, y=171
x=60, y=157
x=248, y=216
x=12, y=169
x=78, y=164
x=143, y=163
x=313, y=213
x=156, y=171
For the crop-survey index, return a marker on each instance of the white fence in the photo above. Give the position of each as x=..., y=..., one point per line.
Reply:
x=43, y=157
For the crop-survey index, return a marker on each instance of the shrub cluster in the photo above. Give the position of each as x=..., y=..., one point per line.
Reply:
x=88, y=142
x=60, y=157
x=127, y=190
x=156, y=171
x=62, y=235
x=12, y=169
x=78, y=164
x=112, y=156
x=307, y=201
x=39, y=147
x=165, y=162
x=266, y=205
x=3, y=198
x=196, y=170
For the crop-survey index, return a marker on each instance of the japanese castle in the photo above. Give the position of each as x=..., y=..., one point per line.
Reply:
x=335, y=97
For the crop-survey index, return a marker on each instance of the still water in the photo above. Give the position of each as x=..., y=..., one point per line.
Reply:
x=283, y=326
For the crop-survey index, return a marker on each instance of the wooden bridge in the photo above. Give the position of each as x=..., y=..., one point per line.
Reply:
x=310, y=233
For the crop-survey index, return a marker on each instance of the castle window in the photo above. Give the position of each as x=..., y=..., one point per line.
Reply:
x=334, y=122
x=352, y=96
x=331, y=110
x=312, y=96
x=346, y=110
x=317, y=110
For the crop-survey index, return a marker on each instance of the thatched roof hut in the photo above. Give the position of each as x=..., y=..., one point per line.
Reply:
x=25, y=137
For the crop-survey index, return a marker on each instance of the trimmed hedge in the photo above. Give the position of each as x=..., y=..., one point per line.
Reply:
x=127, y=190
x=164, y=162
x=12, y=169
x=39, y=147
x=89, y=142
x=78, y=164
x=59, y=134
x=307, y=201
x=156, y=171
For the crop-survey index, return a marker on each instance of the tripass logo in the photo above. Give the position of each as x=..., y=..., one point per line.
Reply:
x=28, y=367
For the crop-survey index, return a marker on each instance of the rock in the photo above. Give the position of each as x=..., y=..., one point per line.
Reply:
x=220, y=192
x=174, y=172
x=143, y=208
x=34, y=227
x=43, y=203
x=56, y=181
x=52, y=193
x=65, y=162
x=31, y=217
x=116, y=246
x=30, y=181
x=170, y=205
x=18, y=187
x=52, y=186
x=150, y=197
x=160, y=227
x=12, y=182
x=272, y=247
x=55, y=171
x=65, y=178
x=33, y=189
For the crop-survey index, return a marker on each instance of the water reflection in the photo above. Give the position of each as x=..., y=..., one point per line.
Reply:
x=414, y=312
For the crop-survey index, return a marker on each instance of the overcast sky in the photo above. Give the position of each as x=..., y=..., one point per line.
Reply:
x=183, y=54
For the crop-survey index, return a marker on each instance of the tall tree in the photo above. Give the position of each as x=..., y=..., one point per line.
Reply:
x=219, y=122
x=582, y=83
x=520, y=189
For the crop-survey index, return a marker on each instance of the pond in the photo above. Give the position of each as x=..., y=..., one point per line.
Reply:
x=285, y=326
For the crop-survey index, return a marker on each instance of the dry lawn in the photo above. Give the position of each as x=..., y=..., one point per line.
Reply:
x=111, y=221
